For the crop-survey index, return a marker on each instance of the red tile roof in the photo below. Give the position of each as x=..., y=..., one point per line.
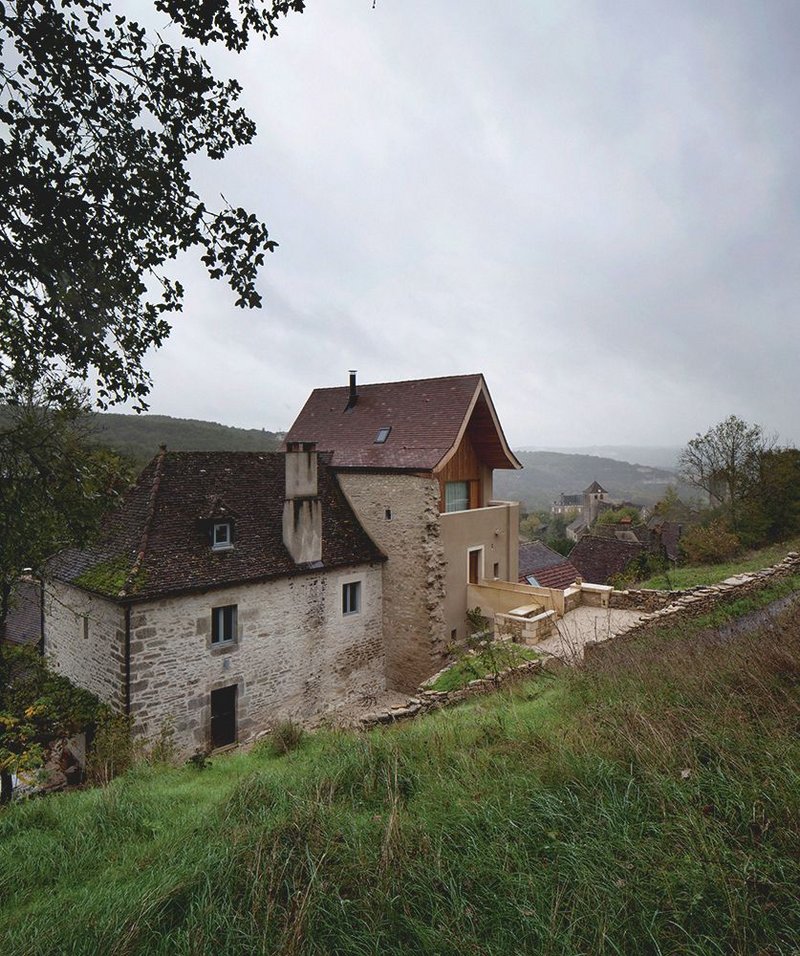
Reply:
x=427, y=418
x=157, y=542
x=598, y=559
x=548, y=567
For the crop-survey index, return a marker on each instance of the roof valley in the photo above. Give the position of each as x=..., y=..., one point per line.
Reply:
x=148, y=521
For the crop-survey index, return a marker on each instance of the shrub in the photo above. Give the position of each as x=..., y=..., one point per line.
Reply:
x=710, y=544
x=285, y=737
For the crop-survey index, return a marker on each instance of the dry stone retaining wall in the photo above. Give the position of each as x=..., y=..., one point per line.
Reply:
x=675, y=607
x=427, y=700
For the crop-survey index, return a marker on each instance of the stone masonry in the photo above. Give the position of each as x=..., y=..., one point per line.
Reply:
x=84, y=638
x=296, y=654
x=401, y=514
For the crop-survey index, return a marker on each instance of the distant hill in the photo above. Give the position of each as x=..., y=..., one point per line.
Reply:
x=138, y=436
x=657, y=456
x=546, y=474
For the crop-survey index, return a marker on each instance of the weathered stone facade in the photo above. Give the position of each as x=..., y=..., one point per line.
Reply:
x=401, y=514
x=84, y=638
x=296, y=653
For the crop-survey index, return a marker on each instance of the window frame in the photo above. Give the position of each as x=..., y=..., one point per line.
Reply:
x=223, y=635
x=225, y=545
x=465, y=498
x=351, y=598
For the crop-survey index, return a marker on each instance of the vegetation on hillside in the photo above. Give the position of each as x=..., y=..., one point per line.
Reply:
x=693, y=575
x=648, y=803
x=546, y=474
x=139, y=436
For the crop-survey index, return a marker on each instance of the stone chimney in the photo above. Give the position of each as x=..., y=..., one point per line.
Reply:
x=302, y=509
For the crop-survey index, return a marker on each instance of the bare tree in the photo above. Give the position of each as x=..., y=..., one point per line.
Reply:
x=724, y=461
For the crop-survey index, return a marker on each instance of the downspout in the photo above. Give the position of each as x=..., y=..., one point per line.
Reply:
x=127, y=659
x=41, y=615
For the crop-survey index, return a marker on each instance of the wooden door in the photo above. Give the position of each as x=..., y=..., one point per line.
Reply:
x=223, y=716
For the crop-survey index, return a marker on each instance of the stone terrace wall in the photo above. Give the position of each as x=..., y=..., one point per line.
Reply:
x=675, y=607
x=427, y=700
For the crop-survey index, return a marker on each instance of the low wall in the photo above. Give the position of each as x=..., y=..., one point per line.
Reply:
x=500, y=597
x=427, y=700
x=524, y=630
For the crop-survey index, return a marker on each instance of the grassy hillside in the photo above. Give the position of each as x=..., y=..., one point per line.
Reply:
x=648, y=805
x=546, y=474
x=692, y=575
x=138, y=436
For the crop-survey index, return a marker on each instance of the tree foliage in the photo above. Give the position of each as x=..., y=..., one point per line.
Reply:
x=55, y=486
x=98, y=123
x=39, y=710
x=724, y=462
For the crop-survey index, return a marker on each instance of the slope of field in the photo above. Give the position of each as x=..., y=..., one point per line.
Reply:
x=649, y=806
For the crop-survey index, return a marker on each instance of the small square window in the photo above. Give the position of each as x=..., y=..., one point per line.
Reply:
x=221, y=539
x=383, y=434
x=351, y=597
x=223, y=624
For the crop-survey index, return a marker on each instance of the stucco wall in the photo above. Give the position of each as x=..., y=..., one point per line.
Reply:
x=415, y=633
x=84, y=639
x=296, y=654
x=496, y=530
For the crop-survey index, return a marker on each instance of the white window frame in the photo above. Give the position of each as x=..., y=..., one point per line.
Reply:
x=221, y=545
x=218, y=625
x=351, y=598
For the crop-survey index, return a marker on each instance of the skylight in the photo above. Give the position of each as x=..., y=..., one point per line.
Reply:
x=383, y=434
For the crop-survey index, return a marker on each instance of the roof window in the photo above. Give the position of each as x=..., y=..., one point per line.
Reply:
x=383, y=434
x=222, y=537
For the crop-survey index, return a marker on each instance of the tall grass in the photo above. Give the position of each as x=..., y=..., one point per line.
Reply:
x=694, y=575
x=646, y=803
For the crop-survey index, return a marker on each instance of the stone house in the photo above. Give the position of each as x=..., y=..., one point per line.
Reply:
x=229, y=590
x=415, y=460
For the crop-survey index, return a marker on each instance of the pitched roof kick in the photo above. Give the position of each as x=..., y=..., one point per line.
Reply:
x=427, y=417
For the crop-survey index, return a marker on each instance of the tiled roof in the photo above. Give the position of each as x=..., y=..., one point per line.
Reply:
x=594, y=488
x=23, y=623
x=157, y=543
x=426, y=418
x=548, y=567
x=598, y=559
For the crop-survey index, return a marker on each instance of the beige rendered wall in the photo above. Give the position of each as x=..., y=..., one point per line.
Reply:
x=296, y=654
x=415, y=634
x=495, y=529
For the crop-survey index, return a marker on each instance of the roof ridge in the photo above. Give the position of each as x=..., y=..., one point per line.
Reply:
x=148, y=521
x=401, y=381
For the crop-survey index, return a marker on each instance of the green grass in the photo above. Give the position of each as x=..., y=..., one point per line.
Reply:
x=487, y=663
x=679, y=579
x=649, y=806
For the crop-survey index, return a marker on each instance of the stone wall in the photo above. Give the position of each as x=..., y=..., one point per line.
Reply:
x=296, y=654
x=427, y=700
x=84, y=639
x=674, y=607
x=415, y=633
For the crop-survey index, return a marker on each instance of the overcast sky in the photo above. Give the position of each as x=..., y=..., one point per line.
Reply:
x=594, y=203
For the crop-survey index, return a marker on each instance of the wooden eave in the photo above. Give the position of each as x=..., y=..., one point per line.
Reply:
x=486, y=434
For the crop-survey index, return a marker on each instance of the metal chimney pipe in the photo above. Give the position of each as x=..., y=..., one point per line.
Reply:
x=353, y=398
